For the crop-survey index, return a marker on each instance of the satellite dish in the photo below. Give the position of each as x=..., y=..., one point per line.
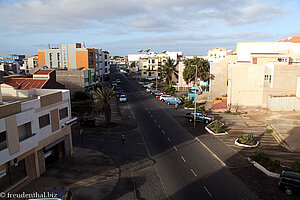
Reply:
x=140, y=51
x=164, y=51
x=147, y=50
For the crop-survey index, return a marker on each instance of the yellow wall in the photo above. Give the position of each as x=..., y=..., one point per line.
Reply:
x=41, y=59
x=82, y=59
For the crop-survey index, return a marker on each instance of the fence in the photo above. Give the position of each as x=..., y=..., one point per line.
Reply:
x=283, y=104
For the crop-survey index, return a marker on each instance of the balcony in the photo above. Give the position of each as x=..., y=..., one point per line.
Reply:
x=25, y=146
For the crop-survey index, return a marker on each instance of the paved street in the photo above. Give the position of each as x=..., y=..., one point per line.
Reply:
x=186, y=168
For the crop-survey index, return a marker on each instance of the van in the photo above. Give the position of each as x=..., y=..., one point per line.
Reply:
x=289, y=182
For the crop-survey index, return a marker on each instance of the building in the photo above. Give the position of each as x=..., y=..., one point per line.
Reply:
x=30, y=63
x=177, y=56
x=150, y=66
x=13, y=58
x=10, y=67
x=265, y=75
x=77, y=80
x=72, y=56
x=42, y=79
x=34, y=132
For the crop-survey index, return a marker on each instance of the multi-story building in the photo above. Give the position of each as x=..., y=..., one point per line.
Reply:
x=30, y=63
x=265, y=75
x=150, y=66
x=177, y=56
x=10, y=67
x=72, y=56
x=34, y=132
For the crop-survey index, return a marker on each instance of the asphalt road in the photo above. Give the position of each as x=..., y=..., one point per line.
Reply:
x=186, y=168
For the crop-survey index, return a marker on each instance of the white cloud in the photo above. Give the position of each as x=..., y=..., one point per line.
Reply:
x=130, y=15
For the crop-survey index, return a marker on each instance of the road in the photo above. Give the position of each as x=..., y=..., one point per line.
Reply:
x=186, y=168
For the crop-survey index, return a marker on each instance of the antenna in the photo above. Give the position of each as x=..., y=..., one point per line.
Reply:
x=49, y=46
x=84, y=44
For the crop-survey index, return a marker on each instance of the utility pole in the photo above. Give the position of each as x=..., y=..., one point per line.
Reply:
x=195, y=98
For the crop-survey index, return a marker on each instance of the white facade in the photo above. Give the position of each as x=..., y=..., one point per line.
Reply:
x=30, y=63
x=178, y=55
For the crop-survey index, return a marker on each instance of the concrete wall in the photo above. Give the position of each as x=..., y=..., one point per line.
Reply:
x=283, y=104
x=218, y=84
x=72, y=80
x=245, y=85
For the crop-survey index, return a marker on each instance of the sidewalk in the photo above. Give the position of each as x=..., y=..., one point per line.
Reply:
x=256, y=123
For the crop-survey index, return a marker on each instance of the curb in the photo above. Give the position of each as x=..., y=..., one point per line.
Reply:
x=211, y=132
x=279, y=139
x=245, y=145
x=264, y=170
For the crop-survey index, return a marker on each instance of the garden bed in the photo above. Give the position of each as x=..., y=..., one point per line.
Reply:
x=216, y=128
x=246, y=141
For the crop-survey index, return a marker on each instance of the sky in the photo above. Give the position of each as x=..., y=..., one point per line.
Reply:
x=126, y=26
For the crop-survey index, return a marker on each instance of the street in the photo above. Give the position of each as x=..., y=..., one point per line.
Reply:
x=186, y=168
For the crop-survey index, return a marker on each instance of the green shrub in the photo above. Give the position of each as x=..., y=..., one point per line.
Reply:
x=188, y=104
x=170, y=90
x=80, y=96
x=201, y=109
x=227, y=112
x=295, y=166
x=217, y=127
x=269, y=131
x=260, y=157
x=249, y=140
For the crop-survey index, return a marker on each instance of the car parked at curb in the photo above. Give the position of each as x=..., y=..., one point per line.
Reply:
x=162, y=97
x=123, y=98
x=173, y=100
x=289, y=182
x=199, y=117
x=149, y=89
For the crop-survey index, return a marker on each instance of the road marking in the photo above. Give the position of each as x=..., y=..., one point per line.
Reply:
x=207, y=191
x=163, y=132
x=183, y=159
x=146, y=108
x=212, y=153
x=158, y=125
x=193, y=172
x=155, y=121
x=151, y=115
x=168, y=139
x=175, y=148
x=148, y=112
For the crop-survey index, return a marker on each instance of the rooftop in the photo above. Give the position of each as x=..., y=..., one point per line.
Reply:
x=43, y=71
x=25, y=83
x=295, y=39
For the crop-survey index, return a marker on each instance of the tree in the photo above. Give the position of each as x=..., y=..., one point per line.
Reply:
x=168, y=69
x=132, y=65
x=203, y=71
x=170, y=90
x=103, y=96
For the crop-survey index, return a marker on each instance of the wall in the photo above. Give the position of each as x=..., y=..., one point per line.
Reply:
x=283, y=104
x=218, y=84
x=245, y=84
x=72, y=80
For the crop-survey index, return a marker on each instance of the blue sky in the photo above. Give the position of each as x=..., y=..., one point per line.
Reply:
x=125, y=26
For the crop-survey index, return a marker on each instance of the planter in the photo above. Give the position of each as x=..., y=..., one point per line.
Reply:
x=186, y=108
x=264, y=170
x=212, y=132
x=245, y=145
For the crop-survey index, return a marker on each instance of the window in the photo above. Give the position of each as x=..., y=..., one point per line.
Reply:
x=50, y=56
x=105, y=56
x=3, y=144
x=58, y=56
x=105, y=63
x=144, y=72
x=270, y=79
x=153, y=61
x=24, y=131
x=12, y=175
x=63, y=113
x=44, y=121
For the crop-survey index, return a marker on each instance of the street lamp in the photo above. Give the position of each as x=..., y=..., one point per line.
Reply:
x=195, y=97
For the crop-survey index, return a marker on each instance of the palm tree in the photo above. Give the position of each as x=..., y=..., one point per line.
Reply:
x=203, y=71
x=169, y=69
x=103, y=96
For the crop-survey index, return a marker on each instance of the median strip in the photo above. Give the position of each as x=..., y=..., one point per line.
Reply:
x=183, y=159
x=193, y=172
x=207, y=191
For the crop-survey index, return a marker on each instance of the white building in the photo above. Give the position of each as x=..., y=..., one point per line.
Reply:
x=30, y=63
x=34, y=132
x=175, y=55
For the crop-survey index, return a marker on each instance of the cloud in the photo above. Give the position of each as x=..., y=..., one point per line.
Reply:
x=43, y=16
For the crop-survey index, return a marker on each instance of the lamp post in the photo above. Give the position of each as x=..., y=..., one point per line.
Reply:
x=195, y=97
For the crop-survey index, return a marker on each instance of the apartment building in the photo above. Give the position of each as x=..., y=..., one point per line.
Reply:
x=265, y=75
x=175, y=55
x=72, y=56
x=30, y=63
x=150, y=66
x=34, y=132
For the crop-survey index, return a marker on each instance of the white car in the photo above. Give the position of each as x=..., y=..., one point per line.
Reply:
x=123, y=98
x=162, y=97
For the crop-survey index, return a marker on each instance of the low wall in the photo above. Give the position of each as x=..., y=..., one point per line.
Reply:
x=283, y=104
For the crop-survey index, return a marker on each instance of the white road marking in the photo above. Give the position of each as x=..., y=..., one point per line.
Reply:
x=146, y=108
x=183, y=159
x=193, y=172
x=168, y=139
x=207, y=191
x=175, y=148
x=163, y=132
x=158, y=125
x=155, y=121
x=148, y=112
x=151, y=116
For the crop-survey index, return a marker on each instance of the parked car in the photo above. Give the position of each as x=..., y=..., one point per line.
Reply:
x=149, y=85
x=118, y=94
x=123, y=98
x=155, y=91
x=157, y=94
x=149, y=89
x=173, y=100
x=118, y=81
x=114, y=83
x=58, y=194
x=162, y=97
x=199, y=117
x=289, y=182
